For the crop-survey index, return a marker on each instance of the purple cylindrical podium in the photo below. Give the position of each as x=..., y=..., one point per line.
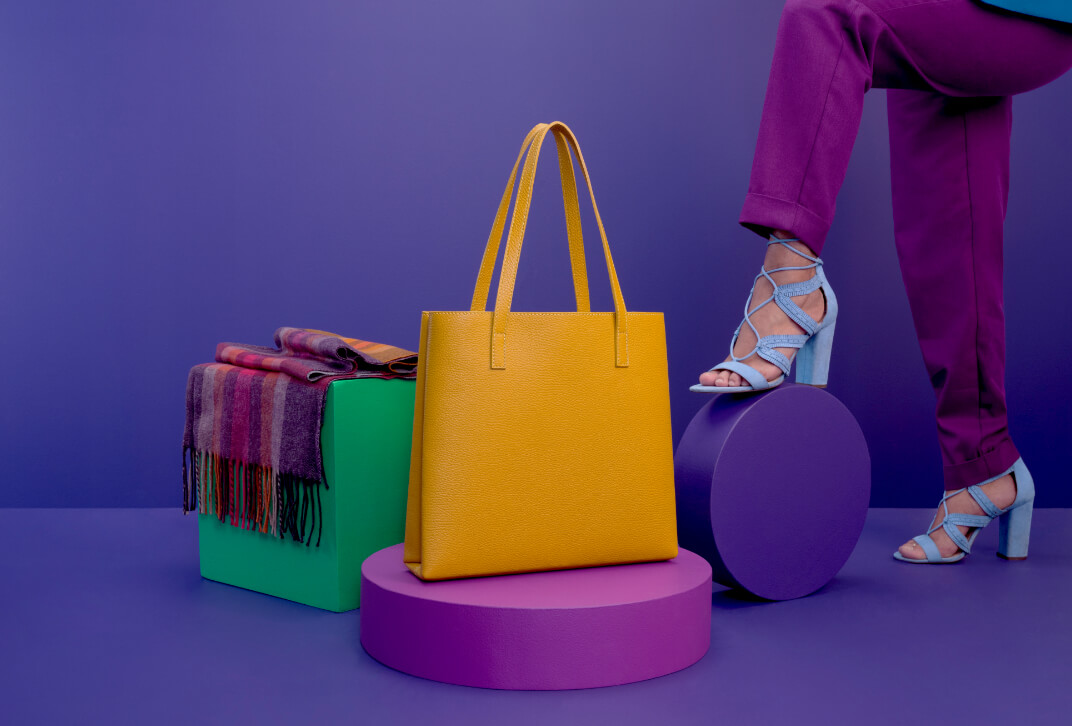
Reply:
x=772, y=489
x=599, y=626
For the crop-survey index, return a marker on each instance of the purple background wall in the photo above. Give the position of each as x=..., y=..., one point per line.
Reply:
x=173, y=175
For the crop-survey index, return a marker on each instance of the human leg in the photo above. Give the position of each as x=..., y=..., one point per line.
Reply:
x=828, y=54
x=950, y=177
x=811, y=114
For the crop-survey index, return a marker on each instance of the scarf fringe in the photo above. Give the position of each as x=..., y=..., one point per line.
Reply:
x=252, y=496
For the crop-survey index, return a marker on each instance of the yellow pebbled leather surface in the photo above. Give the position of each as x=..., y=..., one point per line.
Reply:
x=541, y=441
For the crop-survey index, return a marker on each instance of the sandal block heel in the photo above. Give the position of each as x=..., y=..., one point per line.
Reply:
x=1014, y=531
x=1014, y=525
x=813, y=360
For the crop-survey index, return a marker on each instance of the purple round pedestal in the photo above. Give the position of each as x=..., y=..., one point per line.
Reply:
x=599, y=626
x=772, y=489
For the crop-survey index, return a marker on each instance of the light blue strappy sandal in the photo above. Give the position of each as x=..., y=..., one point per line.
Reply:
x=813, y=358
x=1014, y=523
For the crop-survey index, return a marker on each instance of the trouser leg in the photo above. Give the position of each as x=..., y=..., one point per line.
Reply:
x=950, y=173
x=819, y=75
x=950, y=156
x=829, y=53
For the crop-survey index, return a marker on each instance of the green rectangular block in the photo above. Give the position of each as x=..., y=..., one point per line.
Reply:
x=365, y=444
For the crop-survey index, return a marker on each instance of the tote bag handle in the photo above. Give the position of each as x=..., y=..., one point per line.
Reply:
x=508, y=276
x=573, y=227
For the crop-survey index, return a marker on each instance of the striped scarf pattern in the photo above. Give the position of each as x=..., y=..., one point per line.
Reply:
x=251, y=446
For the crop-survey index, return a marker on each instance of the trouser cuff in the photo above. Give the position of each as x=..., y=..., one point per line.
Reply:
x=762, y=214
x=987, y=466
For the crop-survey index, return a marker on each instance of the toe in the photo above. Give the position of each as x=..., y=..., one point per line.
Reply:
x=911, y=550
x=713, y=378
x=722, y=379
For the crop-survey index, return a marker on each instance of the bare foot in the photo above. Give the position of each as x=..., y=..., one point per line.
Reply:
x=1002, y=493
x=770, y=320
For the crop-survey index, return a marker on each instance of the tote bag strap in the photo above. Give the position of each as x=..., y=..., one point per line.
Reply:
x=573, y=227
x=508, y=276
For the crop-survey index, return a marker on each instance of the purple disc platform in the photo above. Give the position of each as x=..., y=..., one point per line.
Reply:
x=600, y=626
x=772, y=489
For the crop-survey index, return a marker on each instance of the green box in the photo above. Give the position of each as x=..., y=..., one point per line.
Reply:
x=365, y=444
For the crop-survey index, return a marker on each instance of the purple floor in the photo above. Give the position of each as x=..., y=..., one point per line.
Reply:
x=105, y=620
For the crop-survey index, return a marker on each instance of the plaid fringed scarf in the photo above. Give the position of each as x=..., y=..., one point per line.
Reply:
x=251, y=449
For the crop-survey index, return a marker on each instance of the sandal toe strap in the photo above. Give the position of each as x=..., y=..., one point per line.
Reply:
x=747, y=372
x=928, y=546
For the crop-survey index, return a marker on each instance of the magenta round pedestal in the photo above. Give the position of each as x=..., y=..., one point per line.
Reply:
x=599, y=626
x=772, y=489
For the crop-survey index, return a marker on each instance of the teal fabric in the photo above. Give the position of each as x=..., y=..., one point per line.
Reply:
x=1049, y=9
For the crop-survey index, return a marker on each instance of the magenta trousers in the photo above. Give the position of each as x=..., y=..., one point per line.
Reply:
x=951, y=67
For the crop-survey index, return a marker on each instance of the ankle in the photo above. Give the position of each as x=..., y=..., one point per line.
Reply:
x=779, y=257
x=793, y=241
x=788, y=254
x=1001, y=491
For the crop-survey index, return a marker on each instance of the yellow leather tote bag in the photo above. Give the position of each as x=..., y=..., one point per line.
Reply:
x=541, y=441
